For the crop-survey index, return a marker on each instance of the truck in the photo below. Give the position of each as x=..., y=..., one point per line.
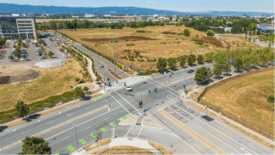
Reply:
x=61, y=49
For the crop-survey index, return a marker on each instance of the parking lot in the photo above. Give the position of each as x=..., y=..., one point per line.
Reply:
x=31, y=53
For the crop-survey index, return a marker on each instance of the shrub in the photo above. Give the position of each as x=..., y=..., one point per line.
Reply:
x=210, y=33
x=77, y=79
x=270, y=98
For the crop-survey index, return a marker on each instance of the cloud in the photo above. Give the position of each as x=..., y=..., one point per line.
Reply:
x=151, y=1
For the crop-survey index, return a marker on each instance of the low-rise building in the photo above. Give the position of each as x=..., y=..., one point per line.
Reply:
x=89, y=15
x=227, y=29
x=265, y=28
x=17, y=26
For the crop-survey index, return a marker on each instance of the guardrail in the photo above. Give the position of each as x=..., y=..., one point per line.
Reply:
x=230, y=115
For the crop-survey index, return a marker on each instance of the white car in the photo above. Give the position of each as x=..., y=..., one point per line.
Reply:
x=101, y=66
x=128, y=88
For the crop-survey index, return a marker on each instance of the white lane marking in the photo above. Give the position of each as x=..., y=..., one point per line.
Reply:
x=127, y=101
x=50, y=122
x=78, y=106
x=211, y=134
x=87, y=128
x=38, y=121
x=79, y=124
x=14, y=130
x=59, y=113
x=140, y=131
x=65, y=138
x=217, y=130
x=26, y=131
x=174, y=134
x=128, y=131
x=121, y=104
x=147, y=127
x=107, y=118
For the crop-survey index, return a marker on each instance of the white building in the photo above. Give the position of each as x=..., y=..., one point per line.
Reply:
x=229, y=22
x=76, y=17
x=227, y=29
x=107, y=15
x=15, y=15
x=89, y=15
x=155, y=15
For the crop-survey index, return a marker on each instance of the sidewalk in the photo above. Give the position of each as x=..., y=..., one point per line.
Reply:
x=187, y=98
x=143, y=144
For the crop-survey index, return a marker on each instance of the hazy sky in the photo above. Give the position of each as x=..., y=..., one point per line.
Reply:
x=175, y=5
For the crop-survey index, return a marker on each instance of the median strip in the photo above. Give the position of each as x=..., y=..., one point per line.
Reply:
x=99, y=97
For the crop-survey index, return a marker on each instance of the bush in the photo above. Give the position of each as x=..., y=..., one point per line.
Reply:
x=210, y=33
x=270, y=98
x=77, y=79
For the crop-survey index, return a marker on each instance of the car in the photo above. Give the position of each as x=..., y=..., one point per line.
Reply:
x=43, y=57
x=11, y=60
x=128, y=88
x=22, y=59
x=101, y=66
x=191, y=71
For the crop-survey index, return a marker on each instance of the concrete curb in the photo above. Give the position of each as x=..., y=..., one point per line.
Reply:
x=52, y=128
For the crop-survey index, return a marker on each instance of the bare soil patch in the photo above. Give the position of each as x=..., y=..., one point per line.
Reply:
x=119, y=38
x=211, y=40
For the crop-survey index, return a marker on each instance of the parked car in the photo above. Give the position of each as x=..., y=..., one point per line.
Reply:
x=101, y=66
x=128, y=88
x=191, y=71
x=22, y=59
x=43, y=57
x=11, y=60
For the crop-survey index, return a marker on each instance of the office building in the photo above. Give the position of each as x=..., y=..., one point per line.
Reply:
x=16, y=26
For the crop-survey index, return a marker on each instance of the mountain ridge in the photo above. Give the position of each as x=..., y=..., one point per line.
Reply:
x=42, y=9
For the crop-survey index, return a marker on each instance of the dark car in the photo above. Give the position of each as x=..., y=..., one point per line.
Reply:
x=191, y=71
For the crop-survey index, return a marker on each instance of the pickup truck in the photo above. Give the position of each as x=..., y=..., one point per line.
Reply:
x=128, y=88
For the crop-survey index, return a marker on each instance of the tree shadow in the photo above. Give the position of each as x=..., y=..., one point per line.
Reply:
x=201, y=63
x=2, y=128
x=192, y=65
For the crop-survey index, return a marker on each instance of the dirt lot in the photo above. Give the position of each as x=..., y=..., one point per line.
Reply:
x=53, y=81
x=150, y=45
x=247, y=97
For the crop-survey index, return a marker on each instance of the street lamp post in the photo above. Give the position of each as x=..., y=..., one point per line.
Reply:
x=74, y=132
x=104, y=83
x=140, y=102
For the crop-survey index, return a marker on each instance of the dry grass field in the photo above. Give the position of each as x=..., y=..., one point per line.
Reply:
x=247, y=97
x=147, y=45
x=53, y=81
x=238, y=42
x=123, y=150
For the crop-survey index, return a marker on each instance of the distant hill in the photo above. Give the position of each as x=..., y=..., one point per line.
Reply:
x=15, y=8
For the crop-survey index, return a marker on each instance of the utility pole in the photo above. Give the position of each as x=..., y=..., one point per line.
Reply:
x=137, y=66
x=75, y=133
x=104, y=83
x=114, y=52
x=148, y=67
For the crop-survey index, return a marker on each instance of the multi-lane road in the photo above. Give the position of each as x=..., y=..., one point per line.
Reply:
x=122, y=103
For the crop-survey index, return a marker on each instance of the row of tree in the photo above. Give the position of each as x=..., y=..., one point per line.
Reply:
x=2, y=42
x=173, y=63
x=241, y=59
x=77, y=24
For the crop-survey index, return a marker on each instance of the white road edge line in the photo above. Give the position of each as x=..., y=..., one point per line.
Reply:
x=147, y=127
x=177, y=135
x=140, y=131
x=26, y=131
x=80, y=124
x=128, y=131
x=121, y=104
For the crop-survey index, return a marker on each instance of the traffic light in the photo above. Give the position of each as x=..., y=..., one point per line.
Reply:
x=148, y=70
x=109, y=83
x=170, y=75
x=149, y=92
x=184, y=86
x=108, y=79
x=156, y=89
x=140, y=104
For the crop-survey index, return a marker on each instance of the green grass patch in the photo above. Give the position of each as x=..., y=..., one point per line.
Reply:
x=82, y=141
x=103, y=129
x=70, y=148
x=112, y=124
x=93, y=135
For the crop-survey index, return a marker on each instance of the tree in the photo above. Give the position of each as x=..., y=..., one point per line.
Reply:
x=200, y=58
x=182, y=61
x=161, y=64
x=191, y=59
x=21, y=109
x=209, y=56
x=77, y=79
x=222, y=30
x=40, y=54
x=210, y=33
x=35, y=145
x=38, y=35
x=238, y=64
x=11, y=57
x=86, y=88
x=186, y=32
x=24, y=56
x=50, y=54
x=227, y=67
x=79, y=92
x=32, y=37
x=217, y=70
x=17, y=53
x=252, y=27
x=172, y=63
x=11, y=37
x=203, y=74
x=270, y=98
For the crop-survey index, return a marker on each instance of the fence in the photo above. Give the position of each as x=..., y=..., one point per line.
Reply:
x=230, y=115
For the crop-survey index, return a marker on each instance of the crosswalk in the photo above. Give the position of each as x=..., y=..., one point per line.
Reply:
x=113, y=132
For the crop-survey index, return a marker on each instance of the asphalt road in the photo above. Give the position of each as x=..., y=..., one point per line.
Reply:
x=107, y=64
x=228, y=139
